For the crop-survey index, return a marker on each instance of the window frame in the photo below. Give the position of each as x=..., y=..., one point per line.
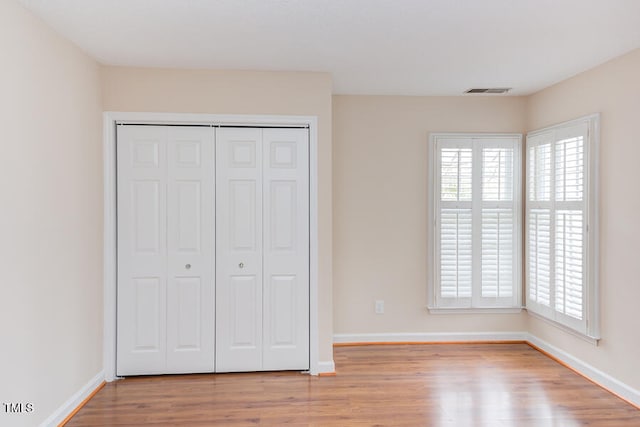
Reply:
x=589, y=326
x=478, y=141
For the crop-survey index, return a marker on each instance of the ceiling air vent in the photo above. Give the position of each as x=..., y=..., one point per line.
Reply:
x=489, y=90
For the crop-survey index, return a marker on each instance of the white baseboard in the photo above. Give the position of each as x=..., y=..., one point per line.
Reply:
x=72, y=403
x=430, y=337
x=326, y=367
x=597, y=376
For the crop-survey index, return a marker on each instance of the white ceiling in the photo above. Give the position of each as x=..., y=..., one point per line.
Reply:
x=400, y=47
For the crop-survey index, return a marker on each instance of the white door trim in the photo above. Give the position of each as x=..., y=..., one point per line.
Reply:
x=110, y=118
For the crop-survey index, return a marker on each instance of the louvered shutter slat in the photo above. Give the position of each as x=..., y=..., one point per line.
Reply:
x=540, y=172
x=497, y=247
x=497, y=174
x=568, y=266
x=455, y=253
x=456, y=170
x=540, y=256
x=569, y=167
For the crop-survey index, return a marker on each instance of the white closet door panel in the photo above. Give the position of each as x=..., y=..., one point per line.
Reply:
x=242, y=215
x=190, y=249
x=146, y=196
x=147, y=308
x=239, y=250
x=282, y=291
x=142, y=216
x=244, y=301
x=286, y=249
x=185, y=294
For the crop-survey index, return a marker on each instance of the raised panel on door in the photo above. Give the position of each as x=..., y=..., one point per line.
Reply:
x=146, y=326
x=244, y=292
x=141, y=300
x=238, y=250
x=286, y=249
x=190, y=250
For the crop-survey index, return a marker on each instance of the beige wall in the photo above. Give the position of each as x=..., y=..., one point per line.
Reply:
x=51, y=217
x=380, y=207
x=613, y=89
x=243, y=92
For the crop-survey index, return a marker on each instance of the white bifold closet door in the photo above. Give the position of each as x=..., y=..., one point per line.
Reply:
x=262, y=262
x=165, y=186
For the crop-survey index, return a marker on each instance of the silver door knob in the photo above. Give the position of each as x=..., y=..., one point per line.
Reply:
x=241, y=265
x=188, y=266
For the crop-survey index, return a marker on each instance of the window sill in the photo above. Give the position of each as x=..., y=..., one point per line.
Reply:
x=474, y=310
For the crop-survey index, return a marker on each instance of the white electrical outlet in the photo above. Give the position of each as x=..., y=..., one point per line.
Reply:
x=379, y=307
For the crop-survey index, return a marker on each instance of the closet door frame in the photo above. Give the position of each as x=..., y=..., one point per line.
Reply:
x=110, y=122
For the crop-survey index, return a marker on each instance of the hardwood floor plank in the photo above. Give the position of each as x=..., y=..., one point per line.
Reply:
x=489, y=385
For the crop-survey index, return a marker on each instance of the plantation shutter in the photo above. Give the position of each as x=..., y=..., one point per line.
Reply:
x=570, y=221
x=538, y=226
x=477, y=246
x=456, y=252
x=556, y=216
x=498, y=235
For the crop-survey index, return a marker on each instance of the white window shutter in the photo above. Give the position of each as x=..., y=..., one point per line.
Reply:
x=569, y=166
x=497, y=174
x=455, y=253
x=560, y=284
x=476, y=221
x=569, y=275
x=540, y=172
x=455, y=219
x=498, y=230
x=497, y=253
x=540, y=256
x=456, y=169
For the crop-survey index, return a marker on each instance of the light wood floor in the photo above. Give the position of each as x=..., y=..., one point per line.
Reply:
x=401, y=385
